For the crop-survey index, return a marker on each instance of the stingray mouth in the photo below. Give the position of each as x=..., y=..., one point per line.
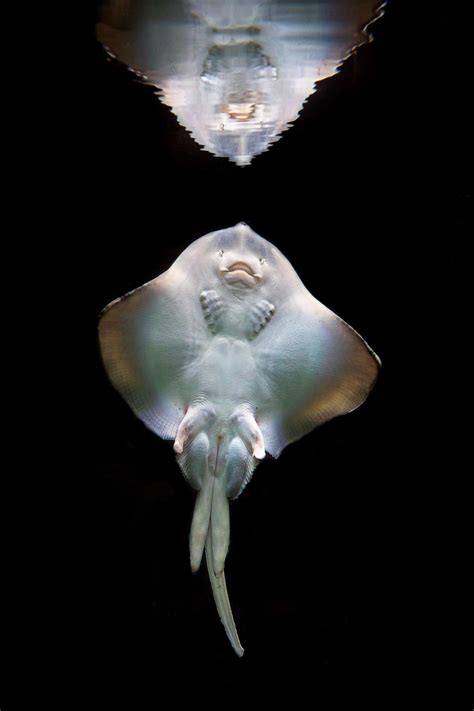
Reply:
x=240, y=112
x=242, y=273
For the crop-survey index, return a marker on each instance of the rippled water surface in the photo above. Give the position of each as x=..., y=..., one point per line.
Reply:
x=235, y=73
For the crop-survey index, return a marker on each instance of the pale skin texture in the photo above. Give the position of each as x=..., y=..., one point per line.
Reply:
x=230, y=356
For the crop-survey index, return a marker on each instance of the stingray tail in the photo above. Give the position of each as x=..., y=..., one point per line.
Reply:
x=210, y=529
x=221, y=598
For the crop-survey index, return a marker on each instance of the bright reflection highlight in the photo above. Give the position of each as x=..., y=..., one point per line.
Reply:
x=235, y=73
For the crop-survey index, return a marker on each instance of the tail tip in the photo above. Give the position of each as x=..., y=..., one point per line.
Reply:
x=195, y=560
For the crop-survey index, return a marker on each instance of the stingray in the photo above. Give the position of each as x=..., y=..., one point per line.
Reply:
x=236, y=73
x=229, y=355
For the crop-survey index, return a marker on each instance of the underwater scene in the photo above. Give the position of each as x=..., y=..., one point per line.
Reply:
x=262, y=214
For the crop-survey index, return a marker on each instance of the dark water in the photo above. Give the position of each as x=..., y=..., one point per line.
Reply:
x=347, y=553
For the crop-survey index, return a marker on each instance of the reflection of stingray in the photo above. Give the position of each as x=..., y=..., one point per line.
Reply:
x=234, y=72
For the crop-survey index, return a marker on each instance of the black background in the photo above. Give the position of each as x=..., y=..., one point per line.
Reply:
x=342, y=569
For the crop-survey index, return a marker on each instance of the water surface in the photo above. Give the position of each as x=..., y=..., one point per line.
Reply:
x=236, y=73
